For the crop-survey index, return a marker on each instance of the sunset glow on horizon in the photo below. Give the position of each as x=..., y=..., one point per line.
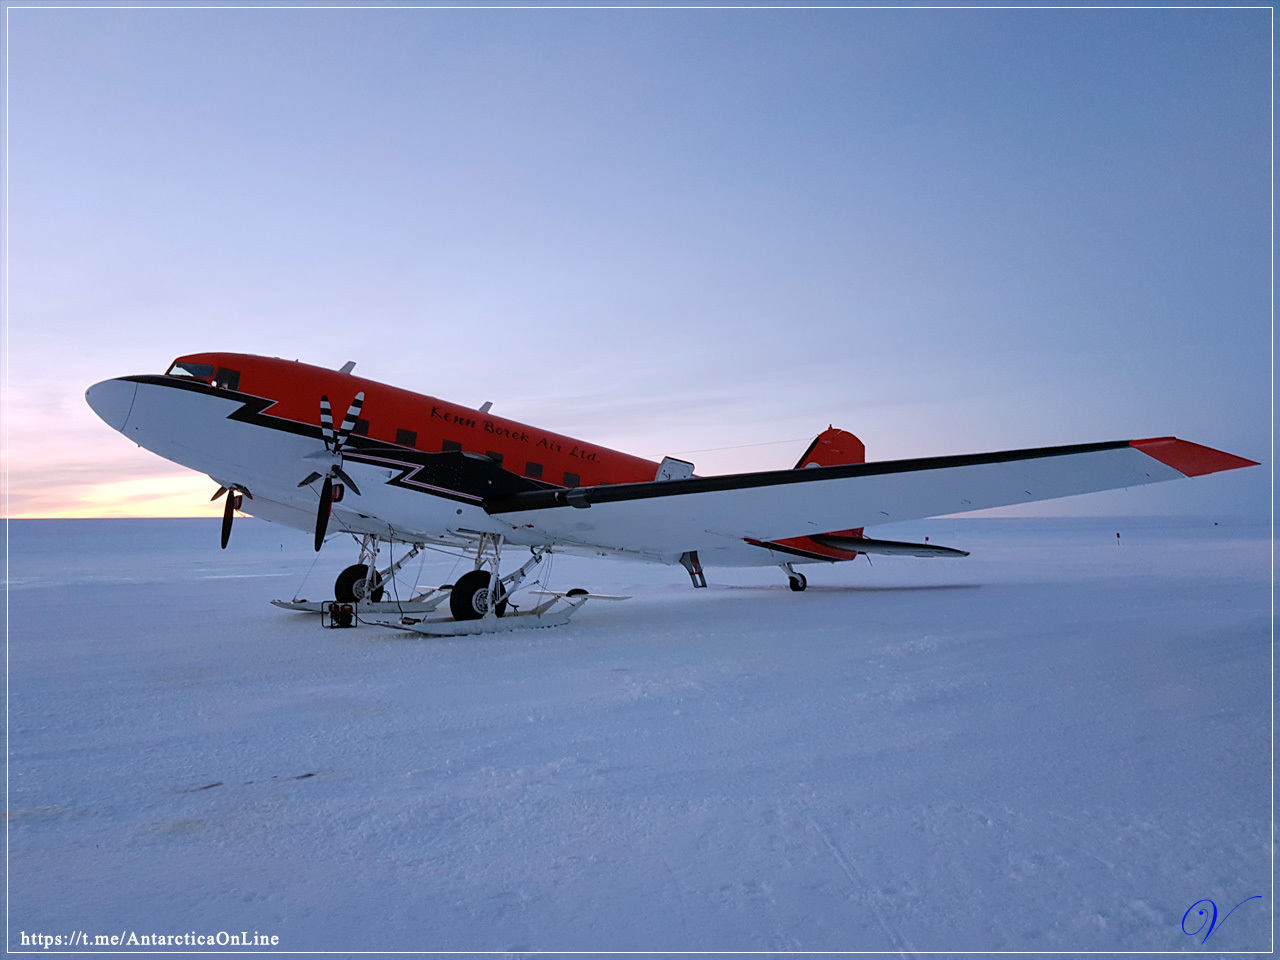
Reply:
x=180, y=494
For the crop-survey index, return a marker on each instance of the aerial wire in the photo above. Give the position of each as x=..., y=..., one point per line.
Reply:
x=736, y=446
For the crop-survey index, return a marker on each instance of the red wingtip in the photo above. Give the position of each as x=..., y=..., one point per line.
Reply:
x=1189, y=458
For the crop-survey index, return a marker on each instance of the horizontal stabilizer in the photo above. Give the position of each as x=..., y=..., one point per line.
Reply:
x=894, y=548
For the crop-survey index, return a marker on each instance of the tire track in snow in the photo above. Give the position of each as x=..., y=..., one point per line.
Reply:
x=861, y=890
x=684, y=924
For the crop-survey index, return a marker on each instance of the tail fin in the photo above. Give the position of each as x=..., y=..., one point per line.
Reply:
x=830, y=448
x=833, y=447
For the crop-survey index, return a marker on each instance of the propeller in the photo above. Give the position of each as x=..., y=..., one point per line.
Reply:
x=332, y=459
x=234, y=495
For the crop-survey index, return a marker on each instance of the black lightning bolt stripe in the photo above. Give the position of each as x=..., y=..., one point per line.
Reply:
x=466, y=477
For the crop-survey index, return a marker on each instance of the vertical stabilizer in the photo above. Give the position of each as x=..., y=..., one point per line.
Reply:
x=833, y=447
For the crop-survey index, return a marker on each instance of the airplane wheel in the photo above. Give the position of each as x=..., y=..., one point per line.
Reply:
x=469, y=599
x=349, y=587
x=797, y=583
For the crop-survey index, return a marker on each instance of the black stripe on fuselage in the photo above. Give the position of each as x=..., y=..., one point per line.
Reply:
x=614, y=493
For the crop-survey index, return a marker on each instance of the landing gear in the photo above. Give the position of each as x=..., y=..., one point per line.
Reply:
x=369, y=589
x=471, y=597
x=480, y=602
x=363, y=581
x=470, y=600
x=795, y=581
x=355, y=582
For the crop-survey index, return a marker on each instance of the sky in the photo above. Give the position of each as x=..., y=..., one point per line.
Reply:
x=700, y=232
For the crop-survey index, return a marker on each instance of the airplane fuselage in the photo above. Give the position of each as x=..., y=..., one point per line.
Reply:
x=423, y=466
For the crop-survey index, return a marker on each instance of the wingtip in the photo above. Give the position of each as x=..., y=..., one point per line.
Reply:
x=1190, y=459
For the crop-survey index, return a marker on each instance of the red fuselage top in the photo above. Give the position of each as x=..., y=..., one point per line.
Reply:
x=394, y=416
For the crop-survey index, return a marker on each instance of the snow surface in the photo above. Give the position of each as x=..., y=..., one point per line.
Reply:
x=1057, y=743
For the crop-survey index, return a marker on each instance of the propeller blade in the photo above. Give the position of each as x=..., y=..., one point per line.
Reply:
x=311, y=478
x=322, y=516
x=221, y=491
x=228, y=514
x=326, y=424
x=342, y=475
x=349, y=421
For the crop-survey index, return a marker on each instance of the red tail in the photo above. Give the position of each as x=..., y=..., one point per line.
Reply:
x=832, y=447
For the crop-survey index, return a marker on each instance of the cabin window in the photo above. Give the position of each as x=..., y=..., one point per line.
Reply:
x=572, y=480
x=227, y=379
x=495, y=457
x=407, y=438
x=361, y=427
x=532, y=469
x=451, y=446
x=200, y=371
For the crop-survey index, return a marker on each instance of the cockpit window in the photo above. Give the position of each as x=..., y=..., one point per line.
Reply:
x=227, y=379
x=200, y=371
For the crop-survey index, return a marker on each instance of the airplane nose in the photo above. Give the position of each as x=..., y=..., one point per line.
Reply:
x=112, y=400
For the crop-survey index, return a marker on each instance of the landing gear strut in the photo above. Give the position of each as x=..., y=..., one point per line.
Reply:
x=795, y=581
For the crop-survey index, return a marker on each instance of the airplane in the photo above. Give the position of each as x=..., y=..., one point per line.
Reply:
x=406, y=468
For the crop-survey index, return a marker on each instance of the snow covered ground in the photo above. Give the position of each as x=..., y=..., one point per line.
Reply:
x=1057, y=743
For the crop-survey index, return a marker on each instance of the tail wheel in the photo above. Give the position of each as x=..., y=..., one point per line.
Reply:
x=351, y=582
x=469, y=599
x=797, y=582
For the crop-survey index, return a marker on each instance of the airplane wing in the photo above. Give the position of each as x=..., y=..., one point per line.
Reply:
x=666, y=518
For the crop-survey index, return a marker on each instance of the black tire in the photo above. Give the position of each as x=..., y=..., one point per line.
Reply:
x=349, y=587
x=576, y=592
x=797, y=582
x=469, y=599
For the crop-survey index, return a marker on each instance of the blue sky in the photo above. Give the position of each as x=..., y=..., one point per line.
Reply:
x=662, y=230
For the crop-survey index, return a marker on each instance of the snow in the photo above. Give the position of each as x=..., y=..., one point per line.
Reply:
x=1057, y=743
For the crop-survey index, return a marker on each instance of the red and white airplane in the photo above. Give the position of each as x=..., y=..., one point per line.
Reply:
x=407, y=468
